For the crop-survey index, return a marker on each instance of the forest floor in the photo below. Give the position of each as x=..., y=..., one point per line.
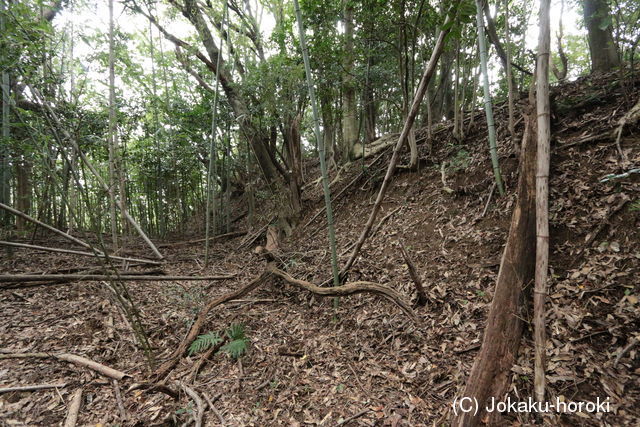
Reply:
x=365, y=362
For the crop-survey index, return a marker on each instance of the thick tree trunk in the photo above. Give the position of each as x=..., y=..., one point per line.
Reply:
x=604, y=54
x=492, y=368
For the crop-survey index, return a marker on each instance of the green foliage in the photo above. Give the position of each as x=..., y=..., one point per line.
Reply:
x=237, y=345
x=460, y=161
x=204, y=342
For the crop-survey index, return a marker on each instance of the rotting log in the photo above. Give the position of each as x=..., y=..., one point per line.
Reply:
x=491, y=370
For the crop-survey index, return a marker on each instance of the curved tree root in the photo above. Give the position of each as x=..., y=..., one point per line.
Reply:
x=272, y=270
x=348, y=289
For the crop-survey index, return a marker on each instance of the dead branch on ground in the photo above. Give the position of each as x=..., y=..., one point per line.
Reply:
x=72, y=358
x=422, y=297
x=74, y=409
x=336, y=291
x=34, y=387
x=80, y=253
x=21, y=278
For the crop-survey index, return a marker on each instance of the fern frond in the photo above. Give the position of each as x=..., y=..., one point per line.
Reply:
x=236, y=331
x=204, y=342
x=235, y=348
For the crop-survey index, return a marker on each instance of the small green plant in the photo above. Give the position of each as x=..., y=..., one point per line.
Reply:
x=460, y=161
x=235, y=348
x=187, y=410
x=635, y=206
x=237, y=345
x=204, y=342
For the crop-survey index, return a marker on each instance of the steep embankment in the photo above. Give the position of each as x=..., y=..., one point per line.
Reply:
x=369, y=362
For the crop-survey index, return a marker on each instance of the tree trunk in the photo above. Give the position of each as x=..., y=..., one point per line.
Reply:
x=349, y=107
x=604, y=54
x=23, y=191
x=482, y=47
x=491, y=370
x=5, y=174
x=112, y=138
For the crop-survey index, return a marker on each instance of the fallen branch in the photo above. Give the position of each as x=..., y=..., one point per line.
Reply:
x=344, y=290
x=34, y=387
x=486, y=206
x=74, y=409
x=624, y=351
x=116, y=389
x=353, y=417
x=422, y=297
x=194, y=331
x=210, y=402
x=43, y=225
x=197, y=417
x=5, y=278
x=69, y=251
x=155, y=387
x=72, y=358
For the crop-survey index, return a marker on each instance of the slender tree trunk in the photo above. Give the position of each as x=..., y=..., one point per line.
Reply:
x=112, y=137
x=323, y=166
x=5, y=174
x=560, y=73
x=542, y=197
x=482, y=45
x=23, y=189
x=212, y=172
x=508, y=70
x=349, y=107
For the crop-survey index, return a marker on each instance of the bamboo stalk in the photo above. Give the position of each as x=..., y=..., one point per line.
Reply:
x=69, y=251
x=7, y=278
x=94, y=171
x=542, y=198
x=488, y=109
x=43, y=225
x=320, y=141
